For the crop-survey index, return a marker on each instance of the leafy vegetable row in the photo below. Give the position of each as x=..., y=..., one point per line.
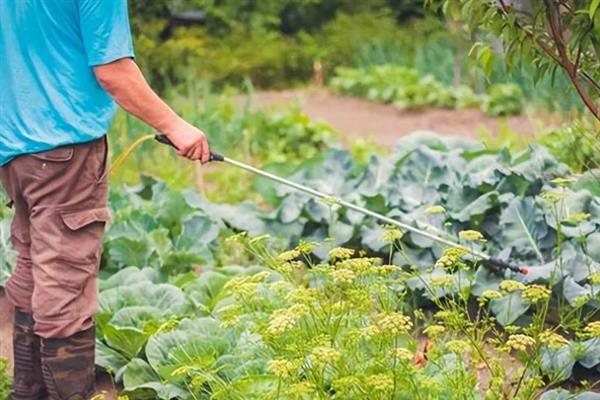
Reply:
x=406, y=88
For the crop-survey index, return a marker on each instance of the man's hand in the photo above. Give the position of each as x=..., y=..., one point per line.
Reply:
x=190, y=142
x=124, y=81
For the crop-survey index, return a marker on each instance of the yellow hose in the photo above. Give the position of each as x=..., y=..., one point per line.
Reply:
x=123, y=157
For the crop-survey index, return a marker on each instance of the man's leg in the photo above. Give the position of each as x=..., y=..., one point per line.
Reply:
x=66, y=191
x=28, y=382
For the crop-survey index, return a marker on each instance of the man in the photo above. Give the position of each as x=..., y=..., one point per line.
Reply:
x=63, y=64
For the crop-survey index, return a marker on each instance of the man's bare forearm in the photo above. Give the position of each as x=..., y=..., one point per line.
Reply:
x=124, y=81
x=128, y=87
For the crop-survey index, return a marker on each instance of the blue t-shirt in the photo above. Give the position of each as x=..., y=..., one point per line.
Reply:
x=49, y=96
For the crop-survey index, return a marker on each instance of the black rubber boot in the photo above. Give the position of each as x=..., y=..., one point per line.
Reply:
x=28, y=381
x=68, y=366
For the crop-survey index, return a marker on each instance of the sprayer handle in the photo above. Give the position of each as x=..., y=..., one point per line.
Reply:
x=501, y=265
x=165, y=140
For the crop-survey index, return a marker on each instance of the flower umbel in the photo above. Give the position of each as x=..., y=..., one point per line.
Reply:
x=325, y=355
x=536, y=293
x=394, y=323
x=510, y=286
x=471, y=235
x=552, y=340
x=340, y=253
x=451, y=257
x=435, y=210
x=520, y=342
x=592, y=329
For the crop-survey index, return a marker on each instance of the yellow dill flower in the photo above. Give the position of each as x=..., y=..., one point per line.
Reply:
x=360, y=266
x=391, y=235
x=101, y=396
x=325, y=355
x=401, y=354
x=451, y=257
x=380, y=382
x=536, y=293
x=236, y=238
x=120, y=397
x=581, y=301
x=552, y=340
x=260, y=277
x=457, y=346
x=288, y=255
x=229, y=322
x=282, y=368
x=510, y=286
x=435, y=210
x=340, y=253
x=301, y=389
x=552, y=196
x=370, y=331
x=280, y=323
x=339, y=307
x=578, y=218
x=345, y=384
x=306, y=247
x=594, y=279
x=491, y=294
x=563, y=181
x=343, y=276
x=182, y=370
x=520, y=342
x=441, y=281
x=303, y=295
x=394, y=323
x=279, y=286
x=298, y=310
x=592, y=329
x=434, y=331
x=387, y=269
x=471, y=235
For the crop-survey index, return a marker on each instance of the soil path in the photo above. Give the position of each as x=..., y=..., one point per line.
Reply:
x=385, y=123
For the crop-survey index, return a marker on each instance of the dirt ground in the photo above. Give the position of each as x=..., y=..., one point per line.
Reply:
x=385, y=123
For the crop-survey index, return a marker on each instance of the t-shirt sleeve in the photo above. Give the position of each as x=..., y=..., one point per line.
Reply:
x=105, y=30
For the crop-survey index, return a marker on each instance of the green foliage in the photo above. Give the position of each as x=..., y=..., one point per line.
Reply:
x=572, y=145
x=277, y=139
x=503, y=99
x=298, y=328
x=158, y=227
x=5, y=379
x=534, y=33
x=407, y=89
x=7, y=255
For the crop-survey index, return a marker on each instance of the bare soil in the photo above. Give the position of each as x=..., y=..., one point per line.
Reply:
x=385, y=123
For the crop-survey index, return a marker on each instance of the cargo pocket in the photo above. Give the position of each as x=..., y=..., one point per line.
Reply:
x=50, y=163
x=83, y=232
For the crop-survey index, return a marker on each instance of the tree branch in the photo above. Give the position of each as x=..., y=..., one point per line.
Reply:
x=562, y=58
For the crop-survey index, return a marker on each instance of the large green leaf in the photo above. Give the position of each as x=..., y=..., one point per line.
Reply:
x=524, y=228
x=509, y=308
x=193, y=343
x=167, y=298
x=141, y=382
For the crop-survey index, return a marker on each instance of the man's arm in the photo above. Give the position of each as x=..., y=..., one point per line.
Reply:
x=124, y=81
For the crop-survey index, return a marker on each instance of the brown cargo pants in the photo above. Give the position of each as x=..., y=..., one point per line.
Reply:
x=60, y=200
